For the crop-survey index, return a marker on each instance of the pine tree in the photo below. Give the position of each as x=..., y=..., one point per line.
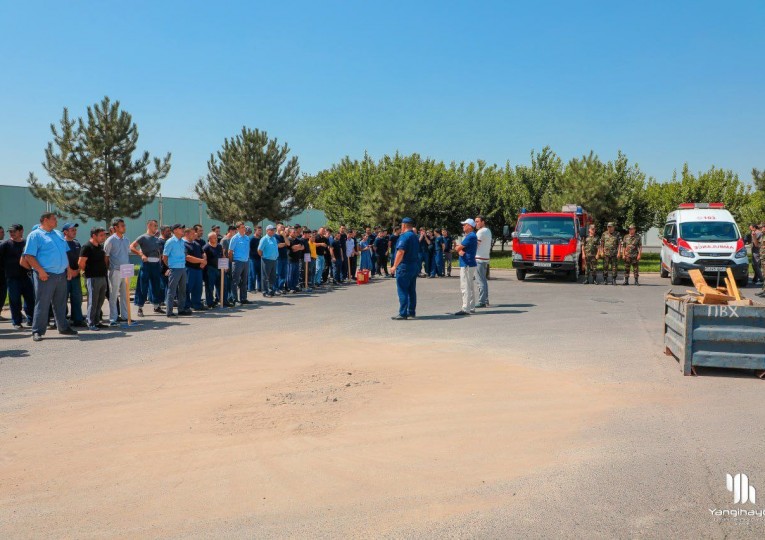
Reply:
x=92, y=167
x=251, y=179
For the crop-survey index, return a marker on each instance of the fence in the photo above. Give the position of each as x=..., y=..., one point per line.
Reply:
x=17, y=205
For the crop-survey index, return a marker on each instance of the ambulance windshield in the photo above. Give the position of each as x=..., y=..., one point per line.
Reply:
x=546, y=227
x=708, y=231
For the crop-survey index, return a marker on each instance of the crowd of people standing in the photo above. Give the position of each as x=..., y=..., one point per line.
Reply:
x=185, y=269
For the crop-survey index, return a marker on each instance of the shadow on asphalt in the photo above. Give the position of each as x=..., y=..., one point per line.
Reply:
x=450, y=316
x=102, y=335
x=498, y=311
x=16, y=334
x=14, y=353
x=727, y=373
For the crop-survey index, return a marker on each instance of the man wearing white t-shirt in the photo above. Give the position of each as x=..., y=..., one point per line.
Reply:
x=482, y=261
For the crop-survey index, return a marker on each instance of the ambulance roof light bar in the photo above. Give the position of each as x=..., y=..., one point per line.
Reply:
x=684, y=206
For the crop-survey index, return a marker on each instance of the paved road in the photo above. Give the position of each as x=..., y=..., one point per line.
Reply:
x=652, y=469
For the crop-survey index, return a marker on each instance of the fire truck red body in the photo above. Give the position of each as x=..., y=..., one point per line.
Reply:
x=550, y=242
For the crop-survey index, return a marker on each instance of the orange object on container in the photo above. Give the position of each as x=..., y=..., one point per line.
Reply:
x=362, y=277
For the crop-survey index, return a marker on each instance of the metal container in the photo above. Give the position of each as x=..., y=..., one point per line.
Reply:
x=714, y=335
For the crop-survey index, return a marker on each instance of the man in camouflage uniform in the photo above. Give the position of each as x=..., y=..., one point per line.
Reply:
x=631, y=250
x=609, y=247
x=590, y=252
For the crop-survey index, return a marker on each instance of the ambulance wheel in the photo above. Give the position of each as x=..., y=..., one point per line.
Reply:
x=520, y=274
x=663, y=273
x=674, y=277
x=743, y=282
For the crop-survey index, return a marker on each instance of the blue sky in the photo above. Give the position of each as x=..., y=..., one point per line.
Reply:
x=666, y=82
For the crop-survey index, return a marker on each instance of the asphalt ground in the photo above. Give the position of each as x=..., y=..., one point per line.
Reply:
x=652, y=467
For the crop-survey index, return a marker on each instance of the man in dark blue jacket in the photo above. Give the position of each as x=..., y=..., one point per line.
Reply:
x=407, y=267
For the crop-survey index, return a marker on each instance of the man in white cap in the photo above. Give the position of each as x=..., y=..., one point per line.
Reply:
x=467, y=250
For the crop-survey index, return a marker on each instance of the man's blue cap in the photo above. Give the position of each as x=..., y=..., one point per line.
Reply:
x=68, y=226
x=407, y=220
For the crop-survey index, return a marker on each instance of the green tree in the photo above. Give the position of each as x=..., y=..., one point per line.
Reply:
x=389, y=189
x=758, y=178
x=754, y=210
x=92, y=167
x=541, y=176
x=339, y=192
x=612, y=191
x=713, y=185
x=251, y=178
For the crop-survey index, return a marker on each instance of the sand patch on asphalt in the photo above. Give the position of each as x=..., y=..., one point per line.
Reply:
x=294, y=431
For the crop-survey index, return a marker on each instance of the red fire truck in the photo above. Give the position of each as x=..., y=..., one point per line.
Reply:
x=550, y=242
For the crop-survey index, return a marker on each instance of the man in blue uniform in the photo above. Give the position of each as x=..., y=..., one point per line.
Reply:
x=174, y=257
x=381, y=253
x=18, y=280
x=239, y=246
x=45, y=252
x=448, y=244
x=406, y=267
x=196, y=260
x=392, y=245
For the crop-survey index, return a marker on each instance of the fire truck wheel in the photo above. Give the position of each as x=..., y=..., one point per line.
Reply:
x=520, y=274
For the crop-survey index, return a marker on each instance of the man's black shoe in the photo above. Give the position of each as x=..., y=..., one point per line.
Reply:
x=102, y=325
x=245, y=302
x=185, y=313
x=229, y=304
x=158, y=310
x=68, y=332
x=140, y=312
x=80, y=324
x=399, y=318
x=461, y=313
x=171, y=314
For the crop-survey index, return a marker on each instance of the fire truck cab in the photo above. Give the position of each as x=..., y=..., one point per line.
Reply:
x=550, y=242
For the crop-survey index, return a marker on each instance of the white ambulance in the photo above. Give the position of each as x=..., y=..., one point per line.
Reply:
x=703, y=236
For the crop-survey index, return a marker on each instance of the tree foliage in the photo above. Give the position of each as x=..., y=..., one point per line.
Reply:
x=369, y=192
x=612, y=191
x=92, y=168
x=251, y=178
x=714, y=185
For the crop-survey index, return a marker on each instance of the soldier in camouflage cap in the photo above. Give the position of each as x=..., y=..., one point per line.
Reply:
x=591, y=252
x=609, y=247
x=631, y=250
